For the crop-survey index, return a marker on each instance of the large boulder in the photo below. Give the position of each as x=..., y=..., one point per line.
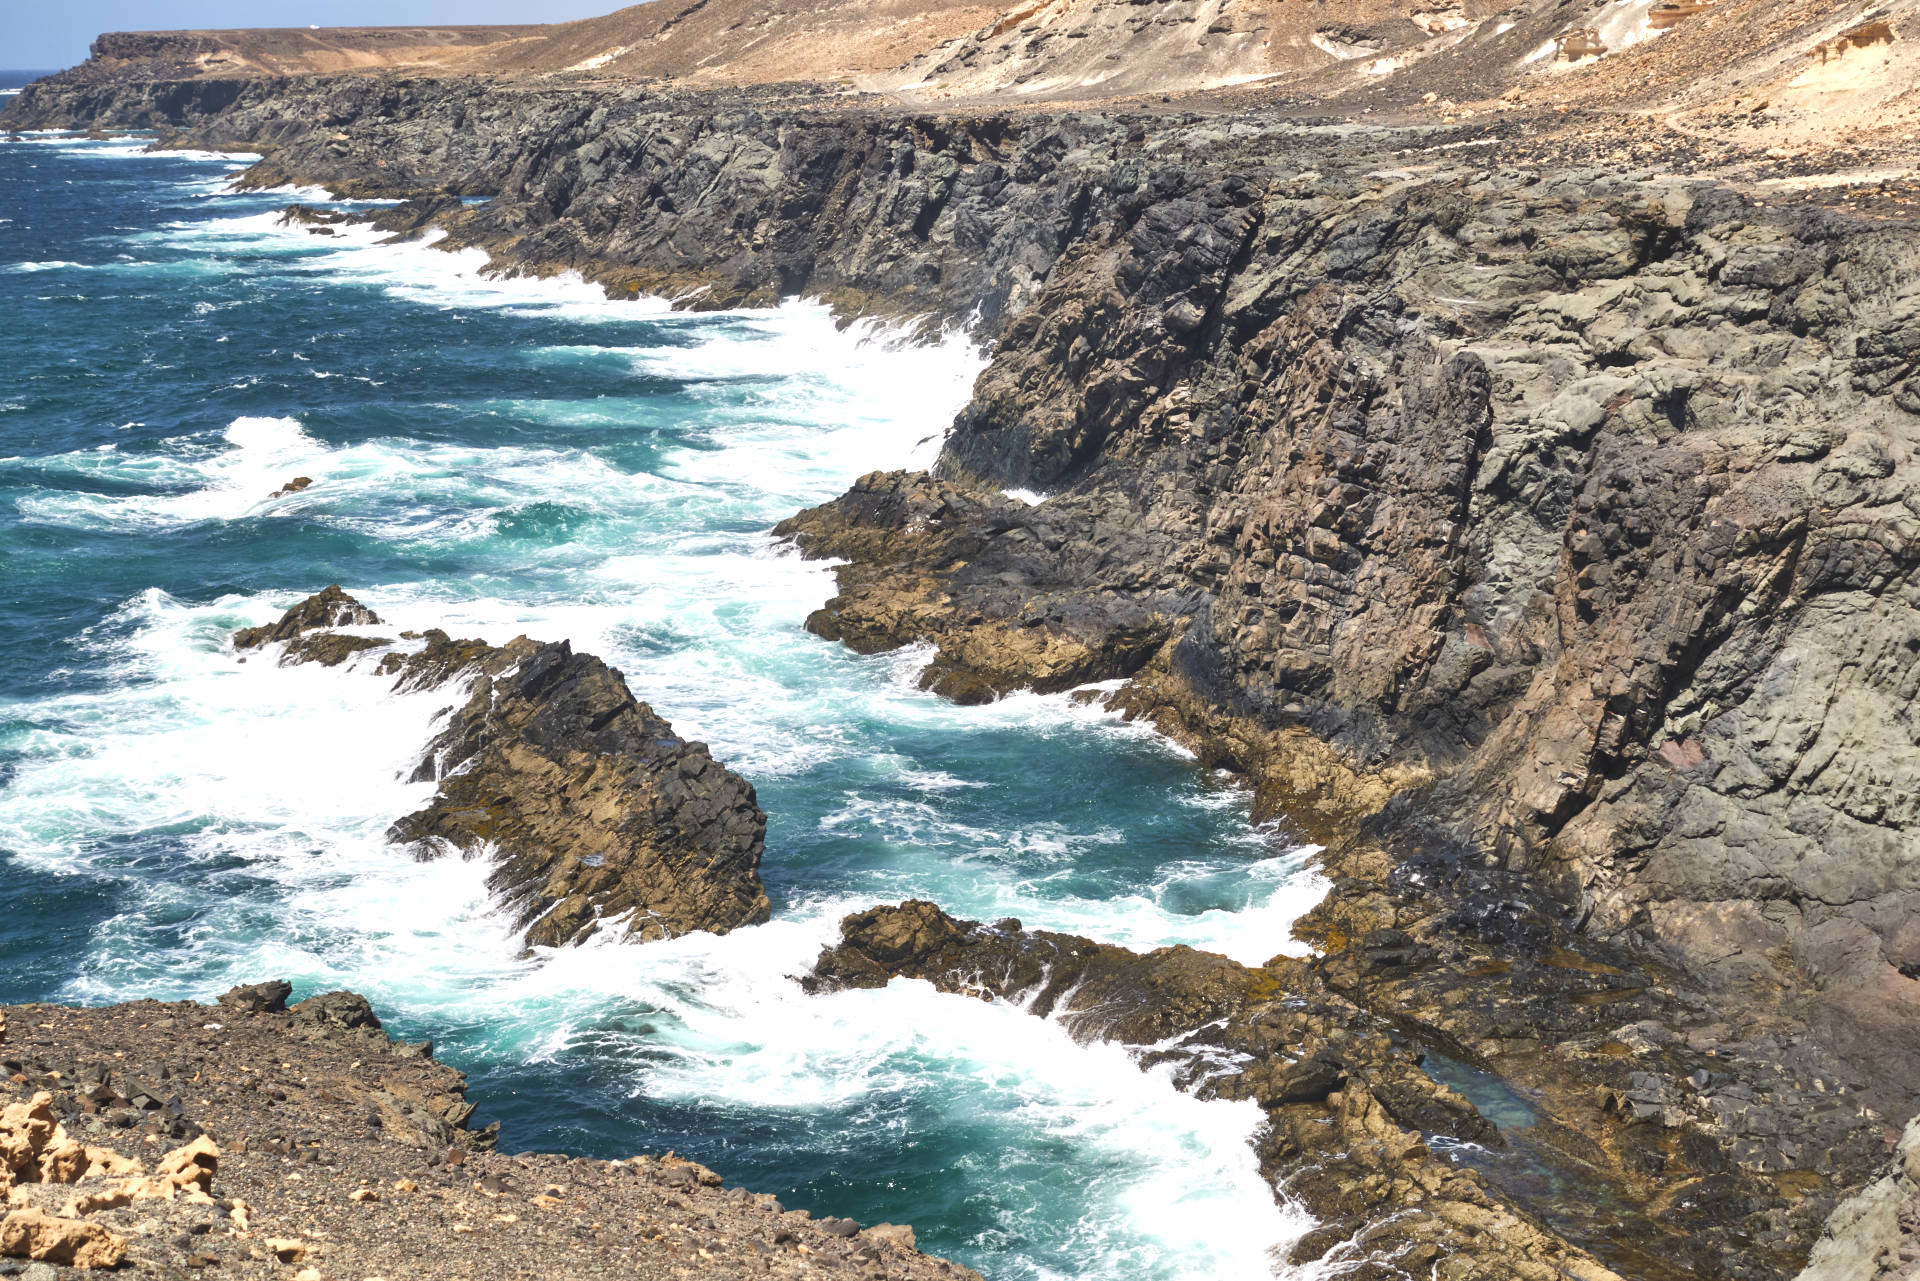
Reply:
x=594, y=813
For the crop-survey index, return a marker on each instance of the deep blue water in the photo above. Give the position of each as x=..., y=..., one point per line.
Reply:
x=18, y=79
x=504, y=457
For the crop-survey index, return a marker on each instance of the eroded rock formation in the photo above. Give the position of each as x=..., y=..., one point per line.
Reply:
x=595, y=814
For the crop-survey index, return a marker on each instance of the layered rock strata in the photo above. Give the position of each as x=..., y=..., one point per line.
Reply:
x=1526, y=518
x=593, y=812
x=253, y=1138
x=1592, y=545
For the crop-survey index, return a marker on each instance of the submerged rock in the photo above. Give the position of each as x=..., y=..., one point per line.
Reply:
x=594, y=813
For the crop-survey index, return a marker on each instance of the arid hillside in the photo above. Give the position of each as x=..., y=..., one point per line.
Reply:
x=1781, y=72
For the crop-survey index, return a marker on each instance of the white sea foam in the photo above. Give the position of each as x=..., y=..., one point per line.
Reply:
x=240, y=809
x=413, y=270
x=122, y=148
x=393, y=488
x=277, y=782
x=285, y=779
x=1176, y=1170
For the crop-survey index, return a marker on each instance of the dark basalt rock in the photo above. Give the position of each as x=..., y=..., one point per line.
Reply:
x=258, y=998
x=344, y=1010
x=595, y=810
x=594, y=813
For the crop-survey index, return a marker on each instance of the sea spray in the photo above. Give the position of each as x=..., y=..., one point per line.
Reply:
x=518, y=456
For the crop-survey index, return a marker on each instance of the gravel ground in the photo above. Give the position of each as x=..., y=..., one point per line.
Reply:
x=343, y=1156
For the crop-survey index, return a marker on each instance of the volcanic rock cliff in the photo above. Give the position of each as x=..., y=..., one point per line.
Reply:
x=1524, y=506
x=594, y=813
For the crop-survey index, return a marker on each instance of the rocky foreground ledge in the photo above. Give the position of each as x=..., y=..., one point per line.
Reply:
x=256, y=1139
x=595, y=814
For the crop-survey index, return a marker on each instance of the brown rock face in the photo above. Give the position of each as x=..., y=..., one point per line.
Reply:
x=597, y=812
x=74, y=1243
x=1538, y=539
x=328, y=607
x=594, y=812
x=39, y=1161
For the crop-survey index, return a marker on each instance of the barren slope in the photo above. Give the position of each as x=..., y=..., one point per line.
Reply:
x=1785, y=73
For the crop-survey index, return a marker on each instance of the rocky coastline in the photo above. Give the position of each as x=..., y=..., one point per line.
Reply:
x=1349, y=1110
x=1523, y=507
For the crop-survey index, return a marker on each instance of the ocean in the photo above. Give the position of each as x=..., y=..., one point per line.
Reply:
x=504, y=457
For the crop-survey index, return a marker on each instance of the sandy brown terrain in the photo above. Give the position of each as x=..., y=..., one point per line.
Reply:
x=1773, y=73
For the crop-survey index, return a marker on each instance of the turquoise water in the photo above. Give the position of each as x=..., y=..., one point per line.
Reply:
x=506, y=457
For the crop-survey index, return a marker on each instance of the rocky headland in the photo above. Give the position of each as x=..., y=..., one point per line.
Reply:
x=260, y=1139
x=594, y=814
x=1521, y=501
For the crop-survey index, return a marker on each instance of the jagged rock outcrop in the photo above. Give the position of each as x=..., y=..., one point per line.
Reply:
x=1350, y=1109
x=595, y=814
